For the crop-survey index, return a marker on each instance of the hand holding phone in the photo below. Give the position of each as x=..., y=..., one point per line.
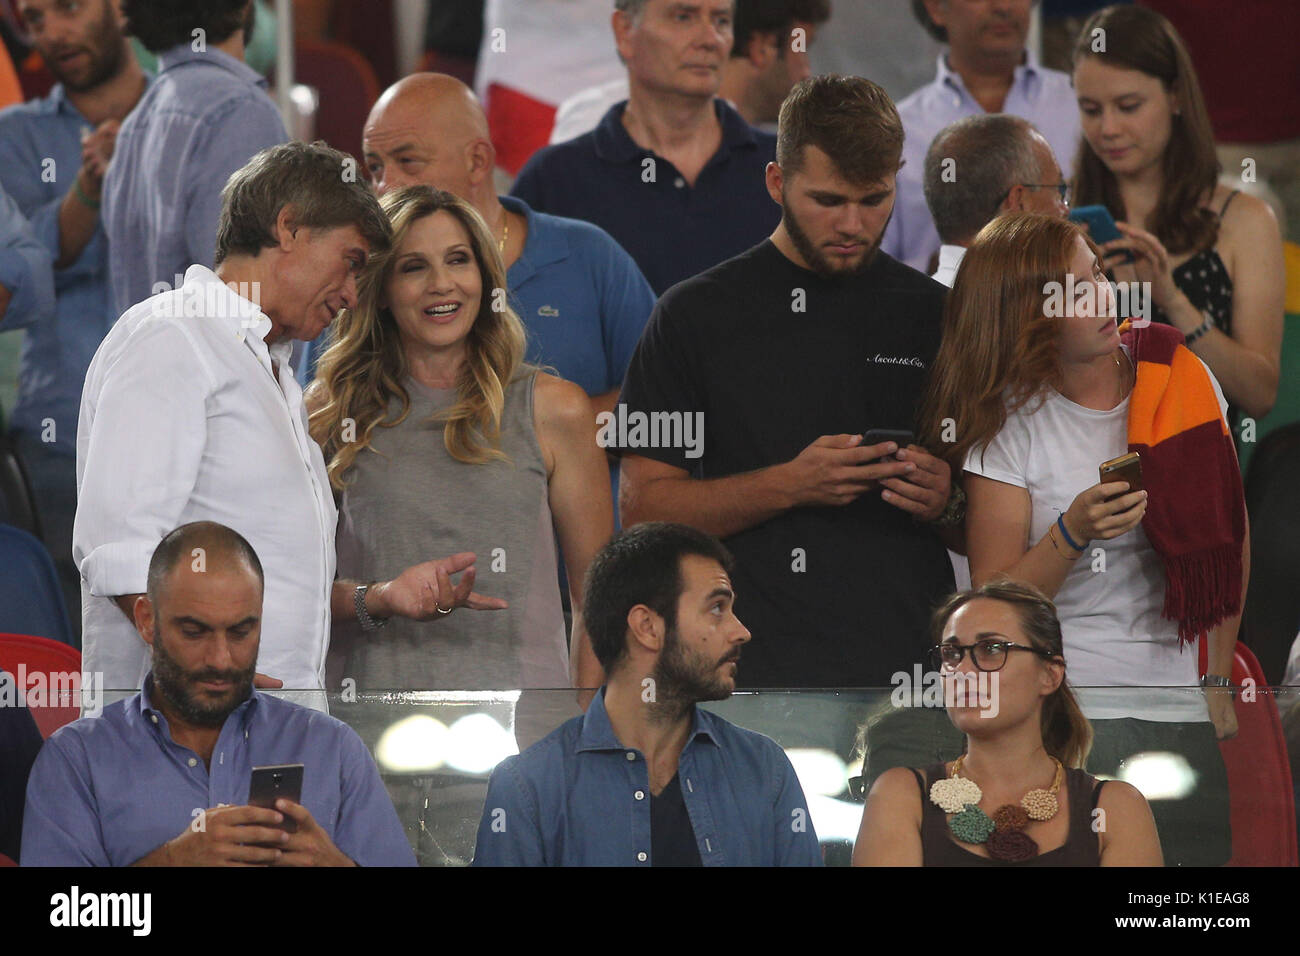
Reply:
x=269, y=784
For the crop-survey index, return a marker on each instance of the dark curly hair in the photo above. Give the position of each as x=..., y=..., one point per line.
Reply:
x=162, y=24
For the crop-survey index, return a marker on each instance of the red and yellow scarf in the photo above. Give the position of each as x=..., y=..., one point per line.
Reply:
x=1196, y=513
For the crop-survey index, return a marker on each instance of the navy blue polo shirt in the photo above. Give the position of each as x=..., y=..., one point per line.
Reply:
x=673, y=230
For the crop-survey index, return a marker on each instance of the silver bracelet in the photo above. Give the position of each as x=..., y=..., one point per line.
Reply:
x=367, y=622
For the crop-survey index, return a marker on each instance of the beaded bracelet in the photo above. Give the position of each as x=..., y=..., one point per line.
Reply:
x=1200, y=330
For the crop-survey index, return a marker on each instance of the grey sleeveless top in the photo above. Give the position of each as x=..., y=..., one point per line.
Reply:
x=407, y=501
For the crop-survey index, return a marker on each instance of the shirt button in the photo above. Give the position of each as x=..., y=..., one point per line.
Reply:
x=193, y=762
x=640, y=794
x=641, y=857
x=631, y=755
x=679, y=182
x=154, y=718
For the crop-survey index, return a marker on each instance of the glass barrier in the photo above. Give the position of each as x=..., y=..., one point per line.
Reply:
x=436, y=749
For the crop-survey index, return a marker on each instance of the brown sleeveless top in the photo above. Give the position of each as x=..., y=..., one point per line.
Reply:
x=1081, y=846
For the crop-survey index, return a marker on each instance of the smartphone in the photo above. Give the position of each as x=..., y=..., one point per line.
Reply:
x=269, y=784
x=1124, y=468
x=874, y=436
x=1101, y=225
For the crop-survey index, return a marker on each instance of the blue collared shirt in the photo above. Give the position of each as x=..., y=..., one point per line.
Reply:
x=40, y=155
x=672, y=230
x=108, y=790
x=581, y=798
x=581, y=297
x=24, y=269
x=204, y=117
x=1042, y=96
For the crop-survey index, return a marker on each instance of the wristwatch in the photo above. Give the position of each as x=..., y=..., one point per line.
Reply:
x=367, y=622
x=955, y=511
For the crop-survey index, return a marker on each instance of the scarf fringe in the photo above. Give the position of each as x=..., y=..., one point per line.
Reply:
x=1192, y=582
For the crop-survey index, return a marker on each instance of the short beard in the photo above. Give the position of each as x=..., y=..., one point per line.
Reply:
x=684, y=678
x=107, y=55
x=816, y=259
x=172, y=682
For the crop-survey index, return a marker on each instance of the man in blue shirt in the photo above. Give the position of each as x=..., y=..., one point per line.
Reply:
x=204, y=117
x=986, y=69
x=53, y=155
x=26, y=288
x=163, y=779
x=674, y=174
x=646, y=777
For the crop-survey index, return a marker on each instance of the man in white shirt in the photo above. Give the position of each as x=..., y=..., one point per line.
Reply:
x=981, y=167
x=191, y=412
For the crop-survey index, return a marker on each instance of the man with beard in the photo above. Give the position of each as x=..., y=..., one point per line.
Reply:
x=53, y=155
x=203, y=118
x=162, y=779
x=646, y=777
x=786, y=357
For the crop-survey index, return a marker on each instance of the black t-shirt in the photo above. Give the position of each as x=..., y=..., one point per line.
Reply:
x=672, y=838
x=774, y=356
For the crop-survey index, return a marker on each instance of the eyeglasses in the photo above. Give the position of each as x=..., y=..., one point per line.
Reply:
x=986, y=655
x=1062, y=190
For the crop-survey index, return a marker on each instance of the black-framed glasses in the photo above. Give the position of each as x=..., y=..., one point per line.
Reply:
x=987, y=655
x=1062, y=190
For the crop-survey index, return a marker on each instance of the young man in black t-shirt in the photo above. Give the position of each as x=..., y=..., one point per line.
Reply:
x=783, y=357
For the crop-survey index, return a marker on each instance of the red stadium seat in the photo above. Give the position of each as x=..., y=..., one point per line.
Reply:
x=1259, y=776
x=347, y=86
x=42, y=655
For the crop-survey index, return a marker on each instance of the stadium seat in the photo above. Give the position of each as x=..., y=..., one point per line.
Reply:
x=24, y=654
x=17, y=504
x=31, y=601
x=1259, y=776
x=347, y=86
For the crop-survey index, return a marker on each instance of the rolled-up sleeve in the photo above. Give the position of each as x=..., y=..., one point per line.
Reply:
x=509, y=833
x=142, y=460
x=369, y=830
x=26, y=269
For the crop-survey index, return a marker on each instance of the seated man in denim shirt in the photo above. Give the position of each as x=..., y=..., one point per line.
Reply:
x=646, y=777
x=162, y=779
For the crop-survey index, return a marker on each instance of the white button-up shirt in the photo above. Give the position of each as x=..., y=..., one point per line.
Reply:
x=949, y=259
x=1042, y=96
x=183, y=419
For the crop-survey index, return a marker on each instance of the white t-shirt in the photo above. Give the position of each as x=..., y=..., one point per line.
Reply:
x=1110, y=602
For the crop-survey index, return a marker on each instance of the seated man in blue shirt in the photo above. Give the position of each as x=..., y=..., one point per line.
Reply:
x=647, y=777
x=162, y=779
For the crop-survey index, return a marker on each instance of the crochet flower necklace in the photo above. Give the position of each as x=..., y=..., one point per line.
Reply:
x=1004, y=833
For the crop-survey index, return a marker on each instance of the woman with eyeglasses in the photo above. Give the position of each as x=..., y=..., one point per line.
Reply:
x=1017, y=795
x=1035, y=388
x=1211, y=253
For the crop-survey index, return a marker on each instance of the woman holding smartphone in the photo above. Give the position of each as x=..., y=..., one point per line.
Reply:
x=1212, y=254
x=439, y=438
x=1040, y=391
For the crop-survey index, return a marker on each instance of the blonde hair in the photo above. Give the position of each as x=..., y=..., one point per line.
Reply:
x=365, y=366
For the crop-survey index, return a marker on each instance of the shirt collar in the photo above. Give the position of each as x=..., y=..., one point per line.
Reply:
x=148, y=711
x=184, y=53
x=947, y=76
x=614, y=145
x=244, y=320
x=598, y=733
x=542, y=245
x=950, y=256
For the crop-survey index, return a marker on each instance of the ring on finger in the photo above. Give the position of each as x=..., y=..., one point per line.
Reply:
x=444, y=610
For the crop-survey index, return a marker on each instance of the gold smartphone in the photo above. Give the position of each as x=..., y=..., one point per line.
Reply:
x=1124, y=468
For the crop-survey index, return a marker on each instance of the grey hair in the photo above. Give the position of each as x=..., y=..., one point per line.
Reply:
x=633, y=8
x=314, y=180
x=990, y=154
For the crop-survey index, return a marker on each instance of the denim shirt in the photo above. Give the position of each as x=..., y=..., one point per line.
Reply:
x=204, y=117
x=581, y=798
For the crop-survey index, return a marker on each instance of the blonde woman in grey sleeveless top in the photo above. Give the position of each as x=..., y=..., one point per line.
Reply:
x=440, y=439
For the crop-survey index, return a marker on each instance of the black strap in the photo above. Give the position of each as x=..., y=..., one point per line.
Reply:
x=1232, y=195
x=1096, y=793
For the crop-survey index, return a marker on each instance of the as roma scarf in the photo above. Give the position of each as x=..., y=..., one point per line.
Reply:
x=1196, y=514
